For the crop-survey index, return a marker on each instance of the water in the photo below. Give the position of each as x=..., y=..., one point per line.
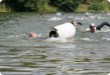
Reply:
x=88, y=54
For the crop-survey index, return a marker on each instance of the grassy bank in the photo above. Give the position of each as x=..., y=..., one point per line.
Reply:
x=4, y=8
x=96, y=7
x=46, y=8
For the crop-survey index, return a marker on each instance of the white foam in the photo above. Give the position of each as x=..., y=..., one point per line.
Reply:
x=54, y=19
x=86, y=39
x=70, y=17
x=58, y=14
x=108, y=13
x=17, y=35
x=52, y=39
x=59, y=40
x=107, y=39
x=22, y=36
x=105, y=30
x=80, y=18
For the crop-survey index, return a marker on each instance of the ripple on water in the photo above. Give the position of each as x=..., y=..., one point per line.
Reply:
x=60, y=40
x=40, y=56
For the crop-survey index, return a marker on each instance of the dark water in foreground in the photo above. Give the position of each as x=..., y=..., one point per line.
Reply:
x=89, y=54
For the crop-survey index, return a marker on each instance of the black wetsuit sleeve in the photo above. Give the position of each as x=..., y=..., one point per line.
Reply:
x=102, y=25
x=79, y=23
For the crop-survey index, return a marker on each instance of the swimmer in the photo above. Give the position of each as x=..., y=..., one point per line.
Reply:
x=32, y=35
x=93, y=28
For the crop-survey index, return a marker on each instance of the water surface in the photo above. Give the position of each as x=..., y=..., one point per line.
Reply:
x=88, y=54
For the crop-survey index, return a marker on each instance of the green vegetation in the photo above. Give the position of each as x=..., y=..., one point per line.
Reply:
x=49, y=6
x=97, y=6
x=3, y=8
x=65, y=5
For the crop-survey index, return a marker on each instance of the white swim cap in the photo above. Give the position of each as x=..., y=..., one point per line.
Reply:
x=92, y=24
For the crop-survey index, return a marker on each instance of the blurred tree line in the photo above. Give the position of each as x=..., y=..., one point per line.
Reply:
x=51, y=5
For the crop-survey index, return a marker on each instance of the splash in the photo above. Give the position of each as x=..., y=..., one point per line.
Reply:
x=105, y=30
x=58, y=13
x=54, y=19
x=106, y=39
x=52, y=39
x=59, y=40
x=26, y=36
x=86, y=39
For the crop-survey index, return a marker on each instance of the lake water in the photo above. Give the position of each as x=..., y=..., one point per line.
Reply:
x=88, y=54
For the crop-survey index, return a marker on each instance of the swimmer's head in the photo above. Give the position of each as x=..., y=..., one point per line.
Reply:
x=32, y=35
x=92, y=27
x=74, y=22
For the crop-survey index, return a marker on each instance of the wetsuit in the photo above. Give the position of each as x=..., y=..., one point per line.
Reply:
x=102, y=25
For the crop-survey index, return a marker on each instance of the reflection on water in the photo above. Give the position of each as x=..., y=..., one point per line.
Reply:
x=87, y=54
